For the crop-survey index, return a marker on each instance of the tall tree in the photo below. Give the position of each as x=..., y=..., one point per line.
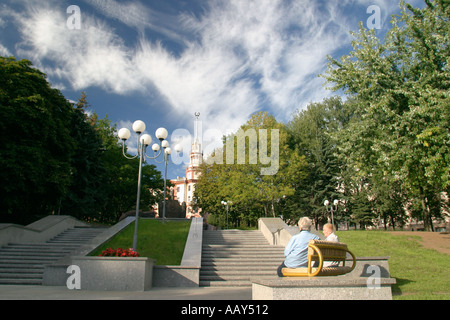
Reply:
x=401, y=89
x=241, y=172
x=36, y=143
x=85, y=194
x=55, y=158
x=311, y=135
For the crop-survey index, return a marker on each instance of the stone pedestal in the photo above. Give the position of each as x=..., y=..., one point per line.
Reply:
x=115, y=273
x=322, y=288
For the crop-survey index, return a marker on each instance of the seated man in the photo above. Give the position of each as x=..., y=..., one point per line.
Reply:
x=296, y=251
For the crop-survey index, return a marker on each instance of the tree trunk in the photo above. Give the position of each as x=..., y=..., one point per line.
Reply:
x=425, y=211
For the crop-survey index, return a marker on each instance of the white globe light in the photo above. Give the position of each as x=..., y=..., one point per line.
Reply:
x=165, y=144
x=124, y=134
x=146, y=139
x=168, y=151
x=155, y=147
x=139, y=126
x=336, y=202
x=161, y=133
x=326, y=203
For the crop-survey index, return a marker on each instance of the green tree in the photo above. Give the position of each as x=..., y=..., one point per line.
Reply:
x=36, y=143
x=85, y=195
x=361, y=208
x=311, y=135
x=401, y=129
x=118, y=187
x=57, y=159
x=241, y=174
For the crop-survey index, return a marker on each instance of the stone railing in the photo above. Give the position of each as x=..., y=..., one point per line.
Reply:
x=187, y=274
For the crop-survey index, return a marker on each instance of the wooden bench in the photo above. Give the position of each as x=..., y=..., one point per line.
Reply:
x=321, y=251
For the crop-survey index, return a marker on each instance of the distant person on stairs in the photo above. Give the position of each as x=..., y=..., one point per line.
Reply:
x=296, y=251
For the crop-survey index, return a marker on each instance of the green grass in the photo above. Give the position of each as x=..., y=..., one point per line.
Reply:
x=163, y=242
x=421, y=274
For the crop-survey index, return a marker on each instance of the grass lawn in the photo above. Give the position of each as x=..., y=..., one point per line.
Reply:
x=163, y=242
x=421, y=273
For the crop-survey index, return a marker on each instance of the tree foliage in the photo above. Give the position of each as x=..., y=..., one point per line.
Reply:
x=56, y=158
x=37, y=146
x=401, y=130
x=241, y=180
x=311, y=136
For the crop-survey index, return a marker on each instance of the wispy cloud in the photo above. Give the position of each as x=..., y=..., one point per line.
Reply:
x=235, y=57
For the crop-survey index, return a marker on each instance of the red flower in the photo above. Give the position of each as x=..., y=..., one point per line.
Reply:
x=119, y=253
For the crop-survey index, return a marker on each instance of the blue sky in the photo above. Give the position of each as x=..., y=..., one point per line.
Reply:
x=162, y=60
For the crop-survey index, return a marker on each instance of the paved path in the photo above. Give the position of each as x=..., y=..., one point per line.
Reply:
x=30, y=292
x=431, y=240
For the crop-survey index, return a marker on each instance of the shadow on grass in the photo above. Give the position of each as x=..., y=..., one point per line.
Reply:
x=396, y=288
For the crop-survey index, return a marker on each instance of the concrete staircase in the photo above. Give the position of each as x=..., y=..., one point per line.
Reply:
x=233, y=257
x=24, y=263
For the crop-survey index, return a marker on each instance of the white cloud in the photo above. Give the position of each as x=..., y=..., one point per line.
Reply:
x=136, y=15
x=237, y=57
x=91, y=56
x=4, y=51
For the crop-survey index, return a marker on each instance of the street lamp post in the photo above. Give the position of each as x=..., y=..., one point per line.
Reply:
x=331, y=208
x=167, y=152
x=226, y=204
x=143, y=141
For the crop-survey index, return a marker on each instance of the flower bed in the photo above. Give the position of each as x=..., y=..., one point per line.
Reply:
x=110, y=252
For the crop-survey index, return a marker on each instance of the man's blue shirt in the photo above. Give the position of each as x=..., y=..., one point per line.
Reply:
x=296, y=251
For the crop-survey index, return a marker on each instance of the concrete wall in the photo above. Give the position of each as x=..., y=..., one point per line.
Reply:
x=321, y=288
x=115, y=273
x=275, y=231
x=188, y=273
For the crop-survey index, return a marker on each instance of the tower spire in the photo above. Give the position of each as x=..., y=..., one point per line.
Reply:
x=196, y=144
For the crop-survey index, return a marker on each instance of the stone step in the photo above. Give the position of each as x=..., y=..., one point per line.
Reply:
x=27, y=259
x=223, y=283
x=24, y=263
x=240, y=267
x=259, y=248
x=233, y=258
x=237, y=273
x=30, y=275
x=13, y=281
x=35, y=249
x=22, y=270
x=25, y=254
x=19, y=266
x=44, y=246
